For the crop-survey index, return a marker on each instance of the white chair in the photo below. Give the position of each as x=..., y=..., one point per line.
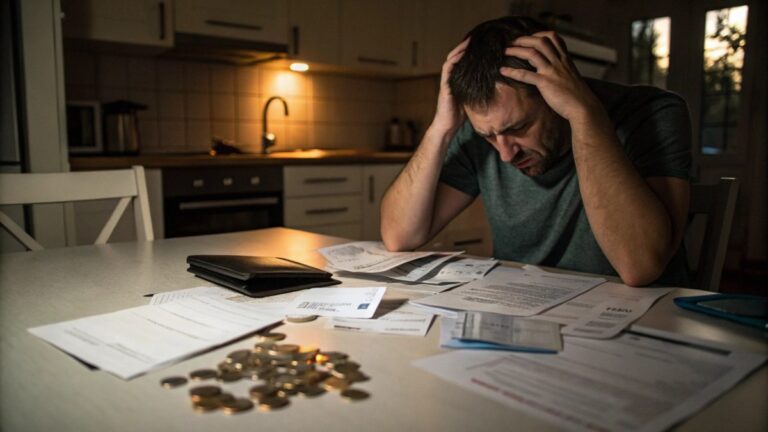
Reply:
x=127, y=185
x=708, y=244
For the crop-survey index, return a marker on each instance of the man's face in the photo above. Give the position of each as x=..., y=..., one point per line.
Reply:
x=522, y=128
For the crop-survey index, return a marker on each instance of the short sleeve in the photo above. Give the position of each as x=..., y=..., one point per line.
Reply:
x=658, y=139
x=459, y=171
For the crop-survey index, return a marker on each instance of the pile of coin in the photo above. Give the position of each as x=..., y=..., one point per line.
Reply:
x=283, y=370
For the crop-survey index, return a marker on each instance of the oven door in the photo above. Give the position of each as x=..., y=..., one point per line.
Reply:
x=198, y=216
x=216, y=200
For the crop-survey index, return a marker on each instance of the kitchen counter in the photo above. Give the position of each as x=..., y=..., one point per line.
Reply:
x=297, y=157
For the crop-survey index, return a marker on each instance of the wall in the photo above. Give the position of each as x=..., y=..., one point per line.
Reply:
x=190, y=102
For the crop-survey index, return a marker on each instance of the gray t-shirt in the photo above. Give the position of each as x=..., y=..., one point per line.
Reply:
x=541, y=220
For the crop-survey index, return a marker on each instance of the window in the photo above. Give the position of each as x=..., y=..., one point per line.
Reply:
x=725, y=37
x=649, y=62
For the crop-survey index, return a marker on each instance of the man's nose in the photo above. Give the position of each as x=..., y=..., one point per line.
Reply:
x=507, y=148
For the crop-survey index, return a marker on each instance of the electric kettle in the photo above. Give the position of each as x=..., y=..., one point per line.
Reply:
x=121, y=127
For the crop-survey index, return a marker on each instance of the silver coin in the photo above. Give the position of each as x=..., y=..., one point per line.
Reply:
x=300, y=318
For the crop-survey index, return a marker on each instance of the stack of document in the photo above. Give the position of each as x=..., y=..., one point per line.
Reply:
x=487, y=330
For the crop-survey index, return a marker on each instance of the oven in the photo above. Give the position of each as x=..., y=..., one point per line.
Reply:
x=212, y=200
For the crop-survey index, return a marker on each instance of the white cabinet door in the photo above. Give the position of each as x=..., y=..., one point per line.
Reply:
x=315, y=29
x=379, y=36
x=376, y=181
x=141, y=22
x=262, y=21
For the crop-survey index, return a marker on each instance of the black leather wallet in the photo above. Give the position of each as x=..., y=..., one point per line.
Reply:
x=258, y=276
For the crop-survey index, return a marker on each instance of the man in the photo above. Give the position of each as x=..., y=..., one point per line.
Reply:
x=581, y=175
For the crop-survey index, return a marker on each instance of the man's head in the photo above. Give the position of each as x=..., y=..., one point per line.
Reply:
x=509, y=114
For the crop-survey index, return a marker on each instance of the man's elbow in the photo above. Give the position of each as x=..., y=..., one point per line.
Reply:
x=642, y=272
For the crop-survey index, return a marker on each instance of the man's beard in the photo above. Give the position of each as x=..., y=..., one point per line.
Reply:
x=554, y=140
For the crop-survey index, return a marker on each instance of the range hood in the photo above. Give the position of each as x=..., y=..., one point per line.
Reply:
x=225, y=50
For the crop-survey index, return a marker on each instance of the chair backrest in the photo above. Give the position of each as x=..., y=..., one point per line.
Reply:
x=717, y=203
x=45, y=188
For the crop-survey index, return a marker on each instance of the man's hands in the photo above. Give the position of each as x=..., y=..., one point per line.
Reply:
x=556, y=77
x=449, y=116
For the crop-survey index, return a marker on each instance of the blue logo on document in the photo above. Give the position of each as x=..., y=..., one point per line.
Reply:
x=363, y=306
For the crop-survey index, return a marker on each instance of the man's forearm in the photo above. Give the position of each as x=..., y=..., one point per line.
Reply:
x=407, y=209
x=631, y=225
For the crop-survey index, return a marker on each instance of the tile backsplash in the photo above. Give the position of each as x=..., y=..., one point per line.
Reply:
x=189, y=102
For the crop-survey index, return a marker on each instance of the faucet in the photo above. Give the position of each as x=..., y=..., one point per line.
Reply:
x=268, y=139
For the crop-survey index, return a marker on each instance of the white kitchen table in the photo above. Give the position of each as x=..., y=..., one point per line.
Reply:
x=44, y=389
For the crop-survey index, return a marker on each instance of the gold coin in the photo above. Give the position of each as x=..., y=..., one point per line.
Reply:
x=356, y=376
x=270, y=337
x=335, y=383
x=311, y=390
x=173, y=382
x=331, y=356
x=260, y=391
x=342, y=369
x=283, y=349
x=300, y=318
x=230, y=376
x=286, y=392
x=239, y=356
x=204, y=392
x=270, y=403
x=203, y=374
x=354, y=394
x=236, y=405
x=206, y=405
x=263, y=347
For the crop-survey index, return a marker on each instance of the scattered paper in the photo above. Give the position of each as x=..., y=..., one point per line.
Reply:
x=371, y=279
x=513, y=291
x=169, y=296
x=607, y=319
x=633, y=382
x=582, y=306
x=418, y=269
x=463, y=270
x=337, y=302
x=403, y=319
x=367, y=257
x=131, y=342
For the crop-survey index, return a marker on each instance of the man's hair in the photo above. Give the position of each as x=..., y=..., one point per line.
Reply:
x=474, y=77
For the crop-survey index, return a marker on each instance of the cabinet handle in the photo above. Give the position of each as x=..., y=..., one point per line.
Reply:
x=214, y=204
x=371, y=187
x=295, y=35
x=161, y=10
x=384, y=62
x=467, y=242
x=316, y=180
x=326, y=210
x=234, y=25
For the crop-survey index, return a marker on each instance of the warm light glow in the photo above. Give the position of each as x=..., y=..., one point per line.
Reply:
x=299, y=67
x=284, y=83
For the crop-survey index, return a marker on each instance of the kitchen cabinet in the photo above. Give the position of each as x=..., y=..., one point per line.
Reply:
x=140, y=22
x=260, y=21
x=324, y=199
x=315, y=31
x=376, y=181
x=379, y=36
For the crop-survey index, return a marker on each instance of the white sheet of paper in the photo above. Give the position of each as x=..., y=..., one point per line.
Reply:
x=402, y=320
x=633, y=382
x=338, y=302
x=607, y=319
x=131, y=342
x=276, y=304
x=577, y=308
x=513, y=291
x=509, y=330
x=367, y=257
